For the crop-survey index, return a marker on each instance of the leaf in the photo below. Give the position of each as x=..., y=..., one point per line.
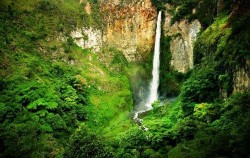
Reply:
x=42, y=113
x=36, y=103
x=51, y=105
x=32, y=105
x=46, y=128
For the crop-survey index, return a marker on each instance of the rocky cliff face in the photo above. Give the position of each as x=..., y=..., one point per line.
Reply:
x=183, y=36
x=88, y=38
x=242, y=79
x=130, y=27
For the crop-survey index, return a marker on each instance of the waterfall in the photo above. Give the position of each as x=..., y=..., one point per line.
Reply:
x=153, y=91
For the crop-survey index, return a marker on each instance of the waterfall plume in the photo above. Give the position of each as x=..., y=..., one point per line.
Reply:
x=154, y=84
x=153, y=91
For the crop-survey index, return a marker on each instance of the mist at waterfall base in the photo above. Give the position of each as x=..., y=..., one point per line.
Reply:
x=152, y=91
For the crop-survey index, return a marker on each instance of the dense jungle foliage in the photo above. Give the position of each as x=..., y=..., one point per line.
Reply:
x=59, y=100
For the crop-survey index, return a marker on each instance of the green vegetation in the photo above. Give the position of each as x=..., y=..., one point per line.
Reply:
x=84, y=143
x=218, y=129
x=203, y=10
x=50, y=86
x=202, y=122
x=59, y=100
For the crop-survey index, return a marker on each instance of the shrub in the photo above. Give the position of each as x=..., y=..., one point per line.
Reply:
x=84, y=143
x=202, y=86
x=46, y=5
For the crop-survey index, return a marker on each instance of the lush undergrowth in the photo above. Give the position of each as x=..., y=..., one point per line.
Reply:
x=54, y=93
x=218, y=129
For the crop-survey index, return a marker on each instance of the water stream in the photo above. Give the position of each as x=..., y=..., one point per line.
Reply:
x=153, y=89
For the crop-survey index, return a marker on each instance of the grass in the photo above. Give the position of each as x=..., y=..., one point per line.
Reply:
x=109, y=94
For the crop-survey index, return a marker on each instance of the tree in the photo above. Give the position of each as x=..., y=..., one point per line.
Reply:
x=84, y=143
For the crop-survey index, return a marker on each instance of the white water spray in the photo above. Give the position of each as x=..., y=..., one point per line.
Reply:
x=153, y=91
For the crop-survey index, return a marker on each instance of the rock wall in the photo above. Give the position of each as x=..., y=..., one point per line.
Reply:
x=130, y=27
x=88, y=38
x=242, y=79
x=183, y=36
